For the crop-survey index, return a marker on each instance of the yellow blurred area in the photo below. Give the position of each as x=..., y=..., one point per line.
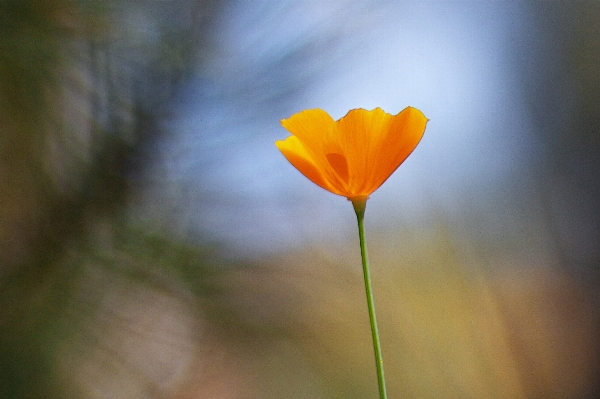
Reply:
x=446, y=331
x=296, y=326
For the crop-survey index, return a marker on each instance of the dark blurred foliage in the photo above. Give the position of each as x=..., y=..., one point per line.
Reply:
x=84, y=88
x=561, y=85
x=95, y=304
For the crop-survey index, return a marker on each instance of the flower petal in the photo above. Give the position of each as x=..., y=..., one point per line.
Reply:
x=405, y=132
x=339, y=163
x=312, y=127
x=301, y=159
x=360, y=133
x=315, y=130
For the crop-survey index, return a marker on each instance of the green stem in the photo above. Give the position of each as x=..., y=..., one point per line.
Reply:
x=359, y=207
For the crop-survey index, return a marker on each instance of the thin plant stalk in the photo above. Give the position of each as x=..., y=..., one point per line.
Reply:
x=359, y=207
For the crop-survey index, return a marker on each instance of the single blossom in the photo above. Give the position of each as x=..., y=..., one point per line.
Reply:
x=355, y=155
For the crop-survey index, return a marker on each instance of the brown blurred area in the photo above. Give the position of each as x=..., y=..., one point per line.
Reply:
x=96, y=304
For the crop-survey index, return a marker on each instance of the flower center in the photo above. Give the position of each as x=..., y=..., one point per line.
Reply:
x=339, y=164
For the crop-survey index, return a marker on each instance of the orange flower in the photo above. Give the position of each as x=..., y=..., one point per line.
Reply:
x=353, y=156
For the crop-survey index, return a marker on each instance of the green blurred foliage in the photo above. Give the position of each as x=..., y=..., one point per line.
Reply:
x=84, y=87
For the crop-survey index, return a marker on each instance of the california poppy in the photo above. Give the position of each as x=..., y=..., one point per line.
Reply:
x=353, y=156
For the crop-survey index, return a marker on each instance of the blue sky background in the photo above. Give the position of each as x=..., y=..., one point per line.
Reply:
x=459, y=62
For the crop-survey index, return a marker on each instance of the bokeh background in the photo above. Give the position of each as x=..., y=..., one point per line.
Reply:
x=155, y=244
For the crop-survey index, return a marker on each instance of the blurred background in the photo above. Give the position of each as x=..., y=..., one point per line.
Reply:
x=155, y=244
